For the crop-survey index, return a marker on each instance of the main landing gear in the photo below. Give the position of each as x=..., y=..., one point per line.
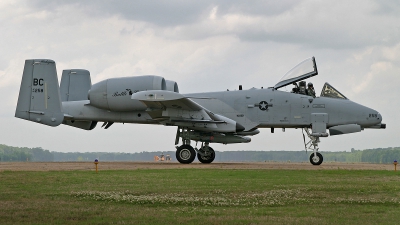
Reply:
x=186, y=153
x=206, y=154
x=315, y=157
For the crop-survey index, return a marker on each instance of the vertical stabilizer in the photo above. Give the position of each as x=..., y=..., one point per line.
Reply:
x=75, y=85
x=39, y=96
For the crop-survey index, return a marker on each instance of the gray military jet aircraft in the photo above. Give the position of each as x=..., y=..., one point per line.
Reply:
x=214, y=117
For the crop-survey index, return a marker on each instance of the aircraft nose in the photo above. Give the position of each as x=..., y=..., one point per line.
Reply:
x=383, y=126
x=369, y=117
x=379, y=117
x=375, y=117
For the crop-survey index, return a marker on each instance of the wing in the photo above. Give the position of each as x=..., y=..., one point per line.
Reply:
x=181, y=111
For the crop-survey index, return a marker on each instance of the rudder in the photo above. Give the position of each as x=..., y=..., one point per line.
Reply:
x=39, y=96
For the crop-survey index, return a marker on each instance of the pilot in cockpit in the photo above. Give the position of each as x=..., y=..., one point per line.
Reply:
x=295, y=89
x=310, y=90
x=302, y=88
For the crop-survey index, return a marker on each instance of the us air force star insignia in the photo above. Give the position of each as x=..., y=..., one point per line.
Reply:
x=263, y=105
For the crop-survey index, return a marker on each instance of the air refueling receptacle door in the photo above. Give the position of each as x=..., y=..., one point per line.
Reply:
x=304, y=70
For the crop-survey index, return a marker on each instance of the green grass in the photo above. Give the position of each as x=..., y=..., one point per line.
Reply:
x=200, y=196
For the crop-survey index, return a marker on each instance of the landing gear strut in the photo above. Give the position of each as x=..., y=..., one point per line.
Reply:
x=315, y=157
x=186, y=153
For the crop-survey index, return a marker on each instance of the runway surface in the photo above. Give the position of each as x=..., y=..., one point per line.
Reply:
x=63, y=166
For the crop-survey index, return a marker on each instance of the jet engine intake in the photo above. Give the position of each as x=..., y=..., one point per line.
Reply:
x=115, y=93
x=172, y=86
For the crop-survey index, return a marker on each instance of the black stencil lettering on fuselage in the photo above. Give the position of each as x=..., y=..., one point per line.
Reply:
x=37, y=82
x=37, y=90
x=124, y=93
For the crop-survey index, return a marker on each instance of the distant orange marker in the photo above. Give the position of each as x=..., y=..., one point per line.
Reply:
x=395, y=165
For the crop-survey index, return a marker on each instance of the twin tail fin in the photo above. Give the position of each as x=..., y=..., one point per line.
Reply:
x=39, y=96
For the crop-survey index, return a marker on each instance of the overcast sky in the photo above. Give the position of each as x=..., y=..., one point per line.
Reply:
x=203, y=46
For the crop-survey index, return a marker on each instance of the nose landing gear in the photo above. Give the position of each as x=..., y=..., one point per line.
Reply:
x=315, y=157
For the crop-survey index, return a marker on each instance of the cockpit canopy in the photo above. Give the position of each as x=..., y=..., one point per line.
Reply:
x=304, y=70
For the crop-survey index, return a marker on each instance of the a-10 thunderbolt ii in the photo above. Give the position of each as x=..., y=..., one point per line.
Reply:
x=211, y=117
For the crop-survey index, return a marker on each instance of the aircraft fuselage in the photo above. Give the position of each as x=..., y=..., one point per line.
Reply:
x=254, y=108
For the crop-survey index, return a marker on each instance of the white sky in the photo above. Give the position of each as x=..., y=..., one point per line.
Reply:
x=204, y=46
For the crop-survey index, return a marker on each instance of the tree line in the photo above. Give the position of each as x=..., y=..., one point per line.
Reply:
x=377, y=155
x=14, y=154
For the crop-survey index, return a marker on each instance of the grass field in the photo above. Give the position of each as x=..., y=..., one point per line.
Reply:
x=200, y=196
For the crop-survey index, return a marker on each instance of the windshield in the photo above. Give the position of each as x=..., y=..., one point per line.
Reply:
x=331, y=92
x=303, y=70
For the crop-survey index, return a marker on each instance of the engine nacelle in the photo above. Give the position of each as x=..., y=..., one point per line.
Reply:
x=115, y=93
x=172, y=86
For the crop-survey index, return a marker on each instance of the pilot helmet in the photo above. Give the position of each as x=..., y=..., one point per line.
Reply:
x=302, y=83
x=310, y=84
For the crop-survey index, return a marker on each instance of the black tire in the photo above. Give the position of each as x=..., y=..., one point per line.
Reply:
x=207, y=159
x=185, y=154
x=316, y=161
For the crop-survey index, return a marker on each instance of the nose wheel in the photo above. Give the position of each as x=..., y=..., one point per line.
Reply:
x=316, y=158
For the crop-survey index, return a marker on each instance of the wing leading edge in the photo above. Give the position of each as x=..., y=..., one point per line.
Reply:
x=182, y=111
